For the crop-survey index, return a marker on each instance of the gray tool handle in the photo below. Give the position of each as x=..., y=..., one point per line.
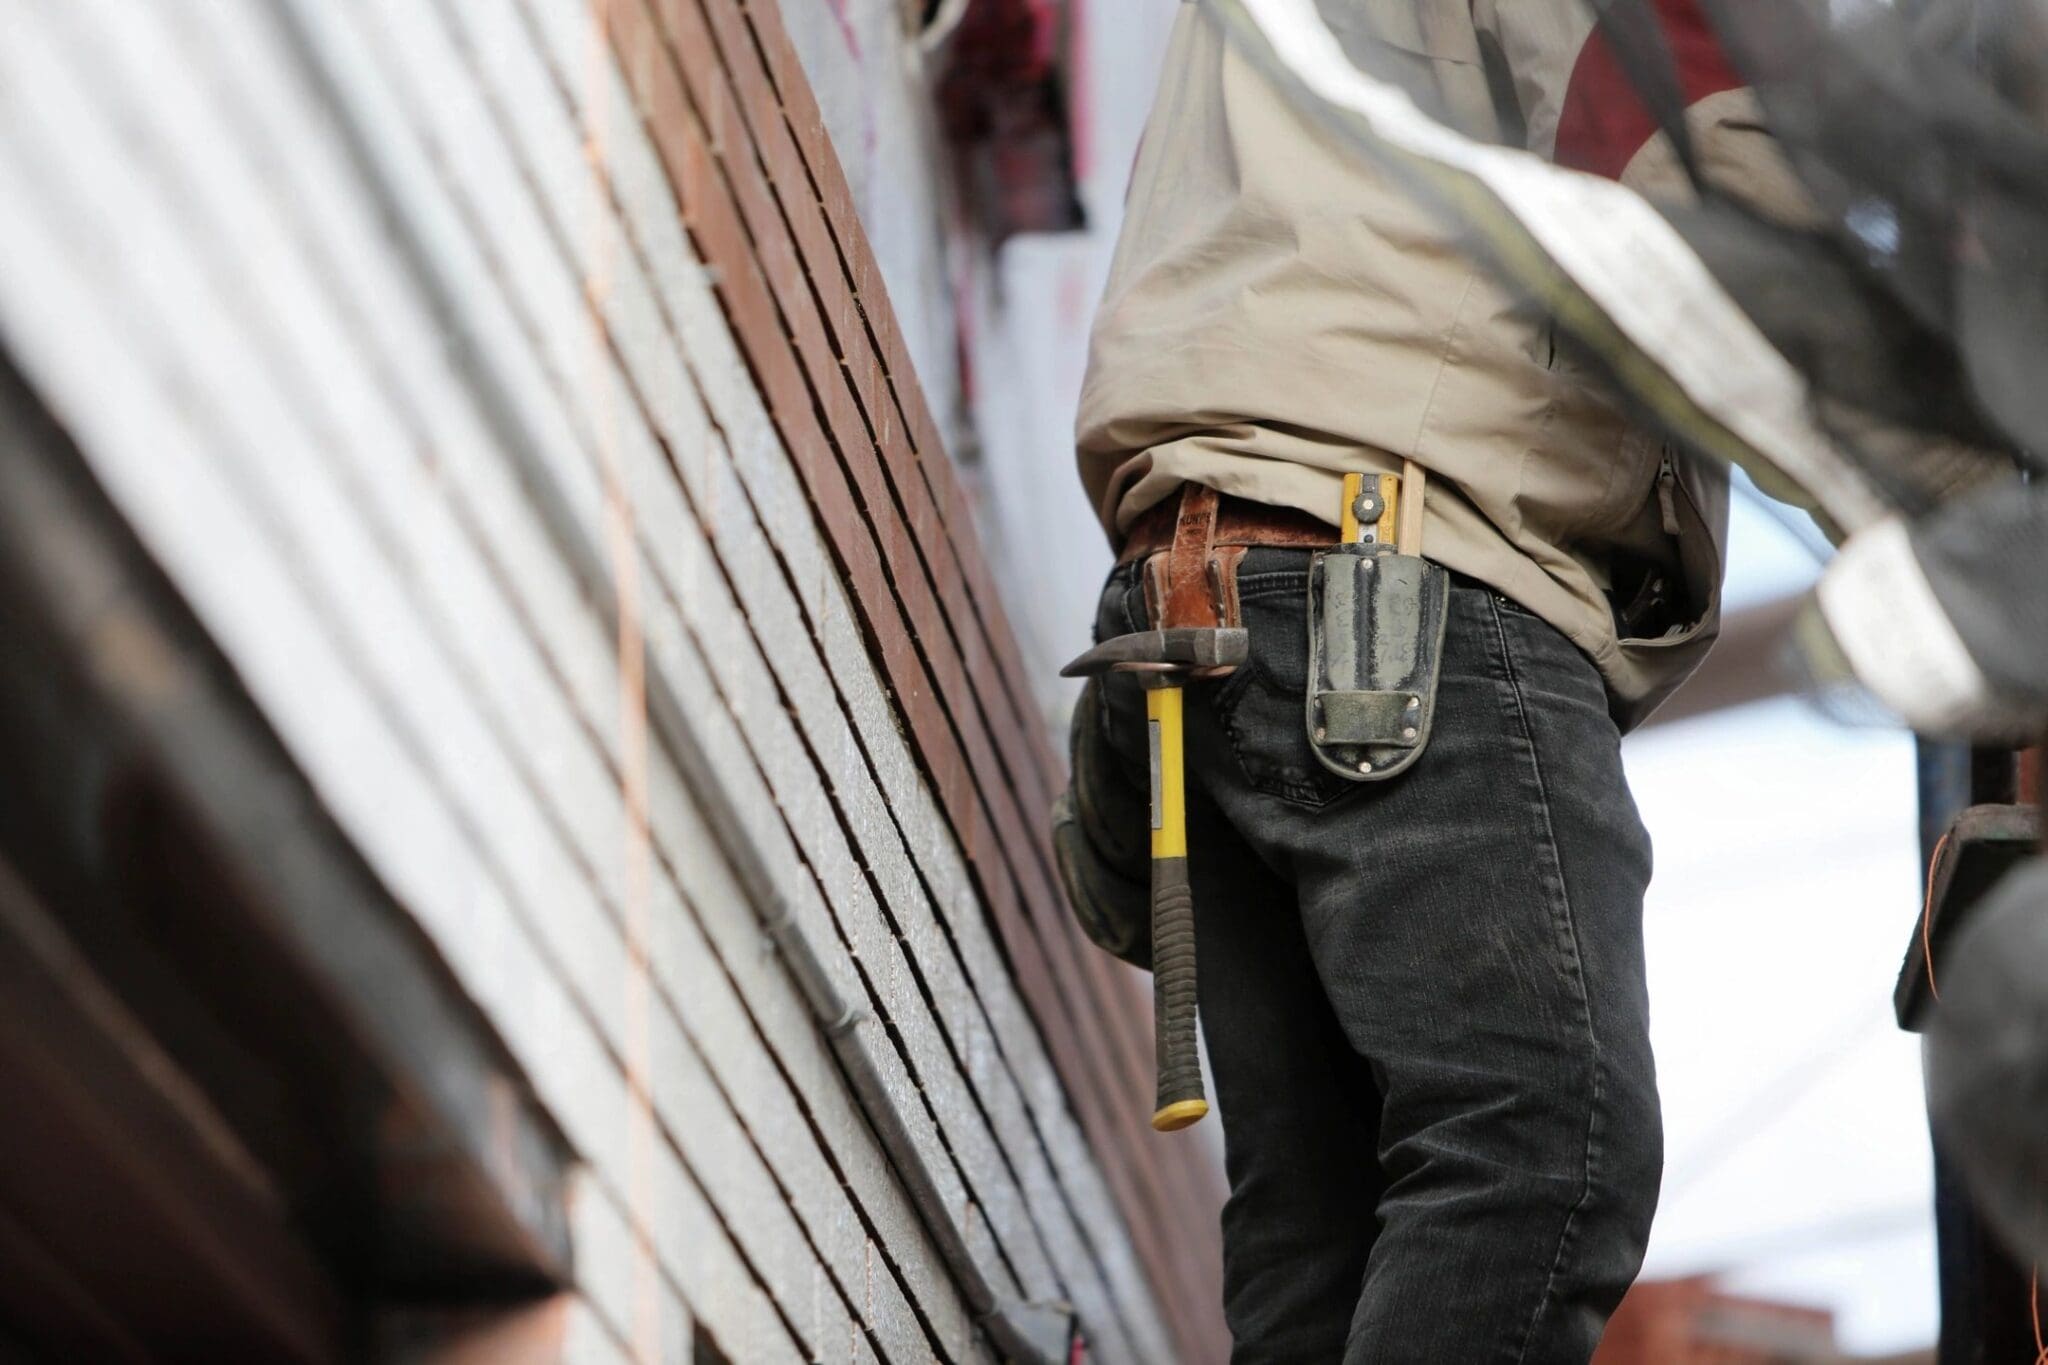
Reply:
x=1181, y=1098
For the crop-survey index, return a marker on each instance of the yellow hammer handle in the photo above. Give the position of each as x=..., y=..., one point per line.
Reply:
x=1181, y=1097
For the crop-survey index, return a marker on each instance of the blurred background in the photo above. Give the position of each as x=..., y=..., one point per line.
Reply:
x=1797, y=1161
x=537, y=546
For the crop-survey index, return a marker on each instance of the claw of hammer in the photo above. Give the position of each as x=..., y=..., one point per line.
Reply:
x=1183, y=647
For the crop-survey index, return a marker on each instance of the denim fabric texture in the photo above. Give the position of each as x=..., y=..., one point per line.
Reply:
x=1423, y=999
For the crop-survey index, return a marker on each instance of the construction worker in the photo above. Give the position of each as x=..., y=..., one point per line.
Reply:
x=1423, y=994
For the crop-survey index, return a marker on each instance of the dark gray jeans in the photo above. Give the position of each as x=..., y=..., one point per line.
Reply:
x=1423, y=1000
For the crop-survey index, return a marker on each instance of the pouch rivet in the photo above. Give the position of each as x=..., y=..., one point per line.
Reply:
x=1321, y=734
x=1365, y=766
x=1408, y=733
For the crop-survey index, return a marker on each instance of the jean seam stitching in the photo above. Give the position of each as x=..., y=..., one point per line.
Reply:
x=1258, y=586
x=1563, y=895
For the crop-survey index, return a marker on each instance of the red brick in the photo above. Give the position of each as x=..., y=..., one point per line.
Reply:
x=798, y=266
x=934, y=540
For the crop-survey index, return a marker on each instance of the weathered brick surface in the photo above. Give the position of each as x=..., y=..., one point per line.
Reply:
x=988, y=760
x=416, y=376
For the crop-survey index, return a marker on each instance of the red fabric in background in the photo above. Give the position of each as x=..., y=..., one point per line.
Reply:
x=1003, y=100
x=1604, y=122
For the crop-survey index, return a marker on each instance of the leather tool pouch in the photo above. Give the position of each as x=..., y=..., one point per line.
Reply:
x=1195, y=582
x=1101, y=827
x=1376, y=641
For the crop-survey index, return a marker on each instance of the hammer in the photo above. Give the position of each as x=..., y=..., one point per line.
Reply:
x=1164, y=659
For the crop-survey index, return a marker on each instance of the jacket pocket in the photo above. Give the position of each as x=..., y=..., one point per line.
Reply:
x=1427, y=47
x=1699, y=569
x=1441, y=30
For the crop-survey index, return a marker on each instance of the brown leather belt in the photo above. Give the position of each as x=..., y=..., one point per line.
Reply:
x=1239, y=521
x=1192, y=543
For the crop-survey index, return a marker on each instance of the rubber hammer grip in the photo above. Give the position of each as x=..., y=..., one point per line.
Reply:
x=1181, y=1098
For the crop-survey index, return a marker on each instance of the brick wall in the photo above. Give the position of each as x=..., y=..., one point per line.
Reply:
x=1694, y=1322
x=510, y=392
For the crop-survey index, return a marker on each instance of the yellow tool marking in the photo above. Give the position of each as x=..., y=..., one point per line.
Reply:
x=1179, y=1115
x=1170, y=837
x=1390, y=503
x=1352, y=530
x=1354, y=484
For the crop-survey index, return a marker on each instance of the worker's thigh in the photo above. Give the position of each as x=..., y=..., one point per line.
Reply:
x=1297, y=1104
x=1475, y=929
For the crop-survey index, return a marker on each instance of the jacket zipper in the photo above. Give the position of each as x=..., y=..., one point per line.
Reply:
x=1667, y=493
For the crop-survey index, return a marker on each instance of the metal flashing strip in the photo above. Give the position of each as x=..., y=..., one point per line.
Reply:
x=262, y=920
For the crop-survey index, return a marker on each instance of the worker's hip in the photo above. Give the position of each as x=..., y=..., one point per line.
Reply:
x=1254, y=727
x=1510, y=692
x=1444, y=969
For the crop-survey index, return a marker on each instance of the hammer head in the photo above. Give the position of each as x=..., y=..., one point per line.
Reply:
x=1174, y=650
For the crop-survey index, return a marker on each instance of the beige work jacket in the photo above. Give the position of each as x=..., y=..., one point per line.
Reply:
x=1278, y=314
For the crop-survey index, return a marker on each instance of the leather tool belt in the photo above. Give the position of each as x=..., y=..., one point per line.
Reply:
x=1239, y=522
x=1376, y=619
x=1192, y=544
